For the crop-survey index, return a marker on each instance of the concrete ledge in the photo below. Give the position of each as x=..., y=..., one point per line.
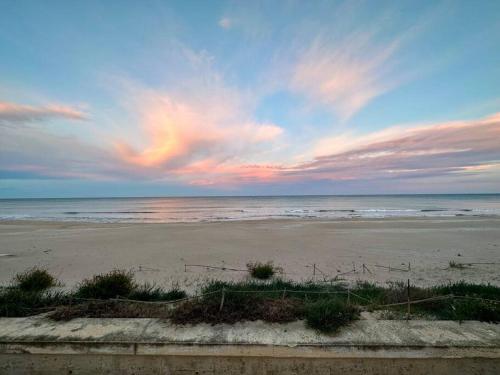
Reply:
x=150, y=346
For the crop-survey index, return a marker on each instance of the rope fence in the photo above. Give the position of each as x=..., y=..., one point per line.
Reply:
x=316, y=271
x=224, y=291
x=318, y=274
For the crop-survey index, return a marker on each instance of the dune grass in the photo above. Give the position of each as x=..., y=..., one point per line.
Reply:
x=324, y=306
x=261, y=271
x=29, y=294
x=152, y=292
x=34, y=279
x=330, y=314
x=117, y=283
x=15, y=302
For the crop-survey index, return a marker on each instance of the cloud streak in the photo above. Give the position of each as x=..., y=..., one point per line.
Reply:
x=17, y=113
x=435, y=150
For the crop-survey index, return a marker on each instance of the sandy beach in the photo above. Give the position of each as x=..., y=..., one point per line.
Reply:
x=159, y=252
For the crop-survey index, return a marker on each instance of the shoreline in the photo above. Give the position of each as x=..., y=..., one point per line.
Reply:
x=249, y=221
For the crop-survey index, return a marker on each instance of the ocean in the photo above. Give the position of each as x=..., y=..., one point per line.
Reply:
x=199, y=209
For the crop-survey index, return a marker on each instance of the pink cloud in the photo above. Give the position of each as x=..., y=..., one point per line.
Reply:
x=464, y=148
x=11, y=112
x=184, y=133
x=186, y=145
x=346, y=75
x=438, y=149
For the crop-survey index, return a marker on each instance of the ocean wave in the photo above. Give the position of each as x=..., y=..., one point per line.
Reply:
x=108, y=212
x=325, y=210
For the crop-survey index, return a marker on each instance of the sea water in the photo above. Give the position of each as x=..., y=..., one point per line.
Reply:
x=198, y=209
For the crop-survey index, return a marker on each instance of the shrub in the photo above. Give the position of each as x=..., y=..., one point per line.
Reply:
x=237, y=308
x=262, y=271
x=465, y=309
x=369, y=293
x=110, y=285
x=272, y=289
x=34, y=279
x=463, y=288
x=151, y=292
x=328, y=315
x=16, y=302
x=109, y=309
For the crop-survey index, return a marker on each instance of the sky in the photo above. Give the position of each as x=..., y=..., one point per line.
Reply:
x=160, y=98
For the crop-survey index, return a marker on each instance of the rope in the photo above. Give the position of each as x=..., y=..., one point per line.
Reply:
x=437, y=298
x=149, y=302
x=281, y=291
x=216, y=268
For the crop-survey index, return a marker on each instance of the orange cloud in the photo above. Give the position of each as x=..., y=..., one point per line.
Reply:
x=184, y=136
x=191, y=146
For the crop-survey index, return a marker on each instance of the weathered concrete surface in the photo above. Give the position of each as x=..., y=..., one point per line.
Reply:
x=150, y=346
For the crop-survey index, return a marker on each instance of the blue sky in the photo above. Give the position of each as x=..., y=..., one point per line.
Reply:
x=101, y=98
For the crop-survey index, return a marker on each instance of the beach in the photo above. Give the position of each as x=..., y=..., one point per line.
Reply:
x=418, y=249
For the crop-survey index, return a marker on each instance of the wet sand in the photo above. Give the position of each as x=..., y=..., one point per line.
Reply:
x=159, y=252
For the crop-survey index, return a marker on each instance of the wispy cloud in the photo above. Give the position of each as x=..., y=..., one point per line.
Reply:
x=433, y=150
x=202, y=123
x=38, y=153
x=345, y=75
x=226, y=22
x=15, y=113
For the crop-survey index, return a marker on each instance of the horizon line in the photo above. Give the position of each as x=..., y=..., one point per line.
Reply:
x=251, y=196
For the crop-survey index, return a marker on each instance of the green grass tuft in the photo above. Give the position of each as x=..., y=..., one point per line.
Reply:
x=262, y=271
x=272, y=289
x=151, y=292
x=463, y=288
x=328, y=315
x=34, y=279
x=16, y=302
x=117, y=283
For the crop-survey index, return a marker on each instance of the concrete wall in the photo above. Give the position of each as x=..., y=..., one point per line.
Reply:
x=14, y=364
x=38, y=345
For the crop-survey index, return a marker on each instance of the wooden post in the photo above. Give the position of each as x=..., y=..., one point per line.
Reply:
x=283, y=295
x=354, y=266
x=409, y=266
x=348, y=295
x=408, y=296
x=314, y=271
x=366, y=268
x=185, y=267
x=222, y=299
